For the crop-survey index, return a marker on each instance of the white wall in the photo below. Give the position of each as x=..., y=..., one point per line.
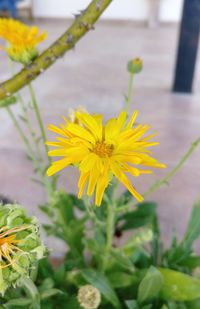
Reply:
x=170, y=10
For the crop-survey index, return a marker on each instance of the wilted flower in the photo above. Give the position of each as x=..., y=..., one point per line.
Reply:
x=89, y=297
x=20, y=245
x=103, y=151
x=21, y=38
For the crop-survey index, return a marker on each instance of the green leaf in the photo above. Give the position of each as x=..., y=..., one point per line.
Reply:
x=49, y=293
x=120, y=279
x=102, y=284
x=194, y=304
x=143, y=215
x=64, y=204
x=178, y=286
x=79, y=203
x=123, y=260
x=191, y=262
x=150, y=285
x=18, y=302
x=131, y=304
x=193, y=230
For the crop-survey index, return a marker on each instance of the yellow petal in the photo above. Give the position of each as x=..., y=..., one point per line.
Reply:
x=123, y=179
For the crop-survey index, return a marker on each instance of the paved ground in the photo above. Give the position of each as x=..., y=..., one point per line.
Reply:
x=94, y=75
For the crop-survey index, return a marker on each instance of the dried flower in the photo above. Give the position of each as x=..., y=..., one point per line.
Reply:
x=21, y=38
x=103, y=151
x=89, y=297
x=20, y=245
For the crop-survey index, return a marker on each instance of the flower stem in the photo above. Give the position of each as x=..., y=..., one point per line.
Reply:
x=166, y=179
x=130, y=92
x=20, y=131
x=39, y=119
x=109, y=233
x=43, y=134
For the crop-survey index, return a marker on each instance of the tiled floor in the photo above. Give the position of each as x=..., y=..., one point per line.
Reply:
x=94, y=75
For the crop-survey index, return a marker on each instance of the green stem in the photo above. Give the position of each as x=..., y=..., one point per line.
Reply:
x=30, y=153
x=39, y=120
x=91, y=213
x=53, y=181
x=130, y=92
x=77, y=30
x=167, y=178
x=29, y=126
x=21, y=133
x=109, y=233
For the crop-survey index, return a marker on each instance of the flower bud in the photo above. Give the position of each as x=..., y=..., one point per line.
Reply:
x=135, y=66
x=20, y=245
x=89, y=297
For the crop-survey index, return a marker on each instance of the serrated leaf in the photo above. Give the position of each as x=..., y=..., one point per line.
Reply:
x=150, y=285
x=178, y=286
x=100, y=281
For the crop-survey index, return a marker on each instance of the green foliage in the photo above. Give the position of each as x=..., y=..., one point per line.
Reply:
x=138, y=273
x=150, y=286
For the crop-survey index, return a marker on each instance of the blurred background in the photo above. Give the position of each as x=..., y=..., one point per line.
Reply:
x=164, y=33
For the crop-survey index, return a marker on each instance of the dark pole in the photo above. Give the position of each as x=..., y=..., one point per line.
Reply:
x=188, y=47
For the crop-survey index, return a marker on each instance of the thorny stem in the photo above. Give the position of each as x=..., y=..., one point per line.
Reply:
x=82, y=24
x=130, y=92
x=167, y=178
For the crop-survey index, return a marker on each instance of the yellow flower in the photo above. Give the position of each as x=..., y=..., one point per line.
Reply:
x=22, y=39
x=103, y=151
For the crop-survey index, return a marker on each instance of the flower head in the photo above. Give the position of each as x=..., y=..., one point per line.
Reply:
x=20, y=245
x=21, y=38
x=89, y=297
x=101, y=151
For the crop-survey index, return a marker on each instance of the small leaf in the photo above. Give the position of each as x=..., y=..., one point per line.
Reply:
x=131, y=304
x=49, y=293
x=120, y=279
x=150, y=285
x=102, y=284
x=123, y=260
x=193, y=230
x=143, y=215
x=178, y=286
x=18, y=302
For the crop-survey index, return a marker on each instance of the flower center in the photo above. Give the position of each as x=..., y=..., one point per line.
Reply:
x=8, y=245
x=103, y=150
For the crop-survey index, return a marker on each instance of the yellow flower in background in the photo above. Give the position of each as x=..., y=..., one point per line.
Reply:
x=103, y=151
x=22, y=39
